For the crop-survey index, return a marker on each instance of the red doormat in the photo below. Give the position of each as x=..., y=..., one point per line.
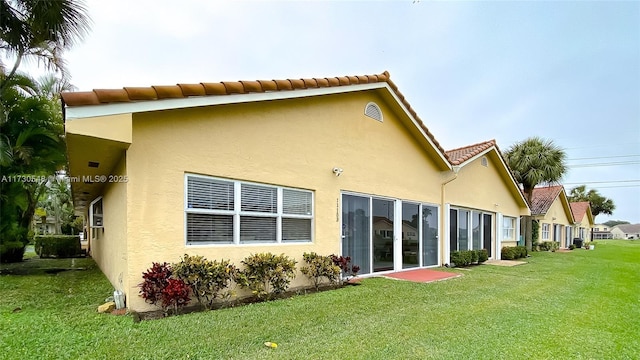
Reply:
x=422, y=275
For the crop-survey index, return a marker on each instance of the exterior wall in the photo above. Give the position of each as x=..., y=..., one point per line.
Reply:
x=109, y=244
x=294, y=143
x=484, y=188
x=586, y=225
x=556, y=215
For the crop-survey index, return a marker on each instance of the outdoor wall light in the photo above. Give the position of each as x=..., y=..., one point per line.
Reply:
x=337, y=171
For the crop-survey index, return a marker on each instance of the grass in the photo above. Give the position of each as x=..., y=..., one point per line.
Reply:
x=574, y=305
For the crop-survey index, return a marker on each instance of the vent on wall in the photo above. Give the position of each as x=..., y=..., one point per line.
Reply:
x=373, y=111
x=485, y=162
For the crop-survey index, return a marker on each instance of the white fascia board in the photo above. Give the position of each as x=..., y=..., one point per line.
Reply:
x=78, y=112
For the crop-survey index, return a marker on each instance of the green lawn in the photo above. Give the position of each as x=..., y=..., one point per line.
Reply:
x=575, y=305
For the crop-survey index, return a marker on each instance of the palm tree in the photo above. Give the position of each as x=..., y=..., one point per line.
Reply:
x=535, y=161
x=598, y=203
x=40, y=29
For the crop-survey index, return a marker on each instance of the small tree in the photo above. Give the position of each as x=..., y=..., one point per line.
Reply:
x=598, y=203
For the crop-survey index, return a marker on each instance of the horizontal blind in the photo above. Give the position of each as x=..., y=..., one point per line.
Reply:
x=209, y=228
x=258, y=229
x=210, y=194
x=256, y=198
x=296, y=202
x=296, y=229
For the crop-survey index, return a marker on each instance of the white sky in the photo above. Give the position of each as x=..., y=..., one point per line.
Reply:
x=474, y=71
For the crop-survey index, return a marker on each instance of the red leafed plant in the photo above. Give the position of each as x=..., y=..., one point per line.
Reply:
x=344, y=263
x=175, y=295
x=159, y=288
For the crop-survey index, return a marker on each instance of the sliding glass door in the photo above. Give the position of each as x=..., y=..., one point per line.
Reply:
x=470, y=230
x=356, y=231
x=385, y=235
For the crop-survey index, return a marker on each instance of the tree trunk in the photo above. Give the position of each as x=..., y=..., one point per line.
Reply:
x=528, y=232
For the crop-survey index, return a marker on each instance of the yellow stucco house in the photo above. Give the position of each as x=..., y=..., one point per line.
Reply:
x=550, y=206
x=339, y=165
x=583, y=220
x=483, y=201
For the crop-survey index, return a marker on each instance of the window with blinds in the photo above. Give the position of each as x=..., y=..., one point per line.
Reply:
x=220, y=211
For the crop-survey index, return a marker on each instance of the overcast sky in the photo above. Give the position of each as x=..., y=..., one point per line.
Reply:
x=473, y=71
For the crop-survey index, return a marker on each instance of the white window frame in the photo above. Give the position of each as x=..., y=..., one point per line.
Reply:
x=237, y=213
x=94, y=217
x=544, y=230
x=508, y=232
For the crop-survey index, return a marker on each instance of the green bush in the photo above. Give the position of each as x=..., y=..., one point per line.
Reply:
x=11, y=251
x=463, y=258
x=60, y=246
x=548, y=246
x=483, y=255
x=266, y=274
x=474, y=256
x=207, y=279
x=319, y=267
x=513, y=252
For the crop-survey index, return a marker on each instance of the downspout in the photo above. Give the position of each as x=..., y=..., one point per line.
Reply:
x=444, y=251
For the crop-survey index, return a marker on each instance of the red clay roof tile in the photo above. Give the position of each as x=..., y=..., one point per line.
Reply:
x=310, y=83
x=251, y=86
x=111, y=95
x=579, y=209
x=80, y=98
x=268, y=85
x=236, y=87
x=284, y=84
x=168, y=92
x=543, y=197
x=192, y=89
x=460, y=155
x=233, y=87
x=214, y=88
x=141, y=93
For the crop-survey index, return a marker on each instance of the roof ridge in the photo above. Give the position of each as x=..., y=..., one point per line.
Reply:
x=492, y=141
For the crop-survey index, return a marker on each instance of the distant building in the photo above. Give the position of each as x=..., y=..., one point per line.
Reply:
x=601, y=231
x=626, y=231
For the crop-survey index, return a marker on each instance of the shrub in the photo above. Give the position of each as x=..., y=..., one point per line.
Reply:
x=175, y=295
x=463, y=258
x=548, y=246
x=207, y=279
x=266, y=274
x=158, y=288
x=155, y=279
x=61, y=246
x=474, y=256
x=513, y=252
x=571, y=247
x=320, y=267
x=11, y=251
x=344, y=263
x=483, y=255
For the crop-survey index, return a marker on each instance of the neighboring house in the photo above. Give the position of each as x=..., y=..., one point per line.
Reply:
x=228, y=169
x=44, y=225
x=483, y=201
x=626, y=231
x=550, y=206
x=583, y=220
x=601, y=231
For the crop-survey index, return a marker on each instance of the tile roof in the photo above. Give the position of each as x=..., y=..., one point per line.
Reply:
x=579, y=209
x=542, y=198
x=135, y=94
x=460, y=155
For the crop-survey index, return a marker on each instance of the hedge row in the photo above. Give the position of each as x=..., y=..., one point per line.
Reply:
x=468, y=257
x=61, y=246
